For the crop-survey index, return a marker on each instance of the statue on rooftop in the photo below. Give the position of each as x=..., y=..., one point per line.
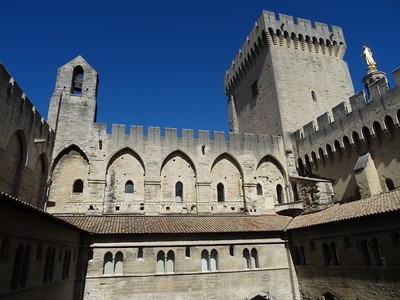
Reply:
x=367, y=54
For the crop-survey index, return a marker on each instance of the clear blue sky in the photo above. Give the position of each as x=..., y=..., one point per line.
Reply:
x=161, y=63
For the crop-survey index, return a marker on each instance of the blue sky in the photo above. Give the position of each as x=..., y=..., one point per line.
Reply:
x=161, y=63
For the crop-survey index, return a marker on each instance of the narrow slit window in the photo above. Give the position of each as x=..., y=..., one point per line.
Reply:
x=220, y=192
x=179, y=192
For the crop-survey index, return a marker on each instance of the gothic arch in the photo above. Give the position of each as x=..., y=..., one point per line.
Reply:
x=124, y=167
x=70, y=165
x=276, y=162
x=181, y=154
x=178, y=179
x=229, y=157
x=65, y=151
x=13, y=159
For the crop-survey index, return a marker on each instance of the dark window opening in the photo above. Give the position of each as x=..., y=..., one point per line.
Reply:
x=254, y=89
x=220, y=192
x=78, y=186
x=313, y=96
x=77, y=81
x=279, y=194
x=140, y=253
x=179, y=192
x=129, y=187
x=259, y=190
x=389, y=184
x=231, y=251
x=187, y=252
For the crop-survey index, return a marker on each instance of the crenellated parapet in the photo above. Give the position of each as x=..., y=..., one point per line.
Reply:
x=352, y=122
x=17, y=109
x=286, y=32
x=26, y=144
x=189, y=139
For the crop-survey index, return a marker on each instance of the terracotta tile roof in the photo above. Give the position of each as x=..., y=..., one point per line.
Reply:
x=177, y=224
x=24, y=206
x=378, y=204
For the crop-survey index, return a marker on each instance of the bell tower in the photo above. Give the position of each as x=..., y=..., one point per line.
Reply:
x=73, y=104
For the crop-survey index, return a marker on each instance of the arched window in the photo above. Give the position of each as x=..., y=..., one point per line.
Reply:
x=221, y=192
x=214, y=260
x=254, y=258
x=321, y=156
x=259, y=189
x=338, y=149
x=302, y=256
x=367, y=136
x=334, y=255
x=187, y=252
x=179, y=192
x=279, y=194
x=246, y=259
x=389, y=184
x=329, y=152
x=327, y=254
x=312, y=246
x=378, y=131
x=389, y=125
x=377, y=252
x=17, y=270
x=129, y=187
x=108, y=264
x=365, y=251
x=295, y=192
x=301, y=167
x=140, y=253
x=78, y=186
x=347, y=145
x=170, y=268
x=119, y=263
x=49, y=265
x=77, y=80
x=204, y=261
x=231, y=250
x=308, y=169
x=160, y=262
x=314, y=159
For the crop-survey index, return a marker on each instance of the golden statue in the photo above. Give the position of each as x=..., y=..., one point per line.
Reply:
x=367, y=54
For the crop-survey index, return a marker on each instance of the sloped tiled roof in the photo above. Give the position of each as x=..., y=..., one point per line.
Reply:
x=29, y=208
x=378, y=204
x=177, y=224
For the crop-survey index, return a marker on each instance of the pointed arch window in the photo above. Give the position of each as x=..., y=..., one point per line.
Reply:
x=170, y=265
x=129, y=187
x=213, y=260
x=160, y=268
x=179, y=192
x=279, y=194
x=254, y=258
x=389, y=184
x=165, y=264
x=108, y=264
x=78, y=186
x=220, y=192
x=204, y=261
x=77, y=80
x=119, y=263
x=259, y=189
x=246, y=258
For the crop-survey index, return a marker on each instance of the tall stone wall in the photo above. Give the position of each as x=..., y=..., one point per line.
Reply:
x=95, y=171
x=187, y=277
x=332, y=147
x=285, y=67
x=26, y=144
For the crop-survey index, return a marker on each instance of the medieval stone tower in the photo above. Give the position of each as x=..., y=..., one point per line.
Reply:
x=73, y=104
x=285, y=75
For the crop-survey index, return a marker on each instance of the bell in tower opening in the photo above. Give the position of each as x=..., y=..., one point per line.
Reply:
x=77, y=81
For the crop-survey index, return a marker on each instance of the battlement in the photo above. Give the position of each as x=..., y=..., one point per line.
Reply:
x=135, y=134
x=285, y=31
x=17, y=105
x=352, y=114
